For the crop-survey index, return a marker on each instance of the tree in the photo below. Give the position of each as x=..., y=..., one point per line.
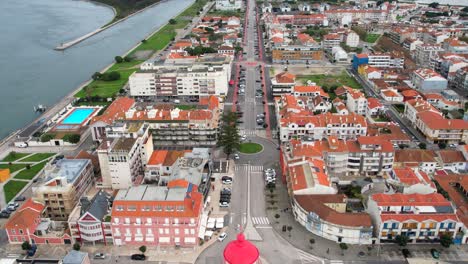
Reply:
x=289, y=230
x=118, y=59
x=127, y=59
x=434, y=5
x=422, y=145
x=76, y=246
x=72, y=138
x=229, y=137
x=343, y=247
x=172, y=21
x=442, y=145
x=96, y=76
x=312, y=242
x=26, y=245
x=110, y=76
x=446, y=240
x=142, y=249
x=47, y=137
x=401, y=240
x=288, y=26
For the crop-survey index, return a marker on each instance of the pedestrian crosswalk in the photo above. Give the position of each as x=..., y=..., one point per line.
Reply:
x=246, y=167
x=248, y=132
x=306, y=258
x=336, y=262
x=260, y=221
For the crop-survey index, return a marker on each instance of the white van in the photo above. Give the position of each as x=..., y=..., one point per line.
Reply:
x=176, y=101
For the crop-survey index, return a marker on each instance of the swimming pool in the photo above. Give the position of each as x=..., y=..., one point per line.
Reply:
x=78, y=116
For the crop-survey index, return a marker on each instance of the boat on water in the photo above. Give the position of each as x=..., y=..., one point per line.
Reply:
x=39, y=108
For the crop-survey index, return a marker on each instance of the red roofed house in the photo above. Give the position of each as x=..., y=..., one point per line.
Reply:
x=308, y=177
x=438, y=129
x=283, y=83
x=422, y=218
x=410, y=94
x=27, y=224
x=408, y=180
x=115, y=111
x=374, y=107
x=325, y=215
x=157, y=215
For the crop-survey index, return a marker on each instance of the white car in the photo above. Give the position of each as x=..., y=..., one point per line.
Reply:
x=23, y=145
x=224, y=204
x=236, y=156
x=222, y=236
x=243, y=137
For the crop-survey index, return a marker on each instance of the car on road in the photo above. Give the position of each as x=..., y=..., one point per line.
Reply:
x=226, y=191
x=4, y=215
x=222, y=236
x=435, y=253
x=15, y=205
x=99, y=256
x=138, y=257
x=226, y=180
x=236, y=156
x=243, y=137
x=20, y=199
x=23, y=145
x=452, y=146
x=223, y=204
x=261, y=116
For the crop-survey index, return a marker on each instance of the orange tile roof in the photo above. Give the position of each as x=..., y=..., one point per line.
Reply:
x=436, y=122
x=399, y=199
x=165, y=115
x=115, y=111
x=157, y=157
x=451, y=156
x=408, y=176
x=173, y=155
x=409, y=93
x=285, y=77
x=451, y=184
x=373, y=103
x=415, y=155
x=390, y=93
x=26, y=215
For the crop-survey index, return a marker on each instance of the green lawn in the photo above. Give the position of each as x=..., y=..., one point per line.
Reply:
x=186, y=107
x=109, y=89
x=29, y=174
x=250, y=148
x=12, y=156
x=371, y=38
x=11, y=188
x=330, y=80
x=38, y=157
x=13, y=167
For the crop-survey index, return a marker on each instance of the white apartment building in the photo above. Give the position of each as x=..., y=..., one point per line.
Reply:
x=351, y=39
x=424, y=52
x=356, y=102
x=422, y=218
x=427, y=80
x=386, y=61
x=228, y=4
x=123, y=155
x=415, y=106
x=283, y=83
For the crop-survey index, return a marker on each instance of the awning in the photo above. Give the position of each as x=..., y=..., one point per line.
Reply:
x=209, y=233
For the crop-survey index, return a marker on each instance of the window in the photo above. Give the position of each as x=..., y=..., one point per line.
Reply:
x=13, y=231
x=158, y=208
x=169, y=208
x=127, y=220
x=176, y=231
x=21, y=231
x=166, y=231
x=131, y=208
x=148, y=221
x=138, y=221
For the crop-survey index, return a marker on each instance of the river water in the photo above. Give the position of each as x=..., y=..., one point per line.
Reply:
x=32, y=72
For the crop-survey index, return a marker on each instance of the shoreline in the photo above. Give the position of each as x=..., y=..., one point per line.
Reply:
x=70, y=97
x=71, y=43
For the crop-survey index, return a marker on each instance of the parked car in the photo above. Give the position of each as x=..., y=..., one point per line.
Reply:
x=260, y=116
x=236, y=156
x=226, y=180
x=435, y=253
x=223, y=204
x=15, y=205
x=138, y=257
x=20, y=199
x=99, y=256
x=11, y=208
x=23, y=145
x=222, y=236
x=243, y=137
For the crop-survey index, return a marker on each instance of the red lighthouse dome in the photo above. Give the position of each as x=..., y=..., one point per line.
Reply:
x=241, y=251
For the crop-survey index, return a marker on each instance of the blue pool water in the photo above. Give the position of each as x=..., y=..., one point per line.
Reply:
x=78, y=116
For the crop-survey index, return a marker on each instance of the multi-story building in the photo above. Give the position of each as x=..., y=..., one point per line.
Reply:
x=299, y=20
x=357, y=14
x=422, y=218
x=424, y=52
x=411, y=180
x=331, y=40
x=308, y=177
x=356, y=102
x=89, y=222
x=383, y=60
x=64, y=183
x=157, y=215
x=283, y=83
x=461, y=79
x=27, y=224
x=292, y=54
x=438, y=129
x=415, y=106
x=326, y=216
x=421, y=159
x=295, y=121
x=115, y=111
x=228, y=4
x=427, y=80
x=453, y=160
x=123, y=154
x=455, y=46
x=351, y=39
x=204, y=76
x=368, y=155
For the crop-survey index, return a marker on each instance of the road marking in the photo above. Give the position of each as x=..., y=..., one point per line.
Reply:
x=336, y=261
x=308, y=258
x=244, y=220
x=256, y=168
x=260, y=220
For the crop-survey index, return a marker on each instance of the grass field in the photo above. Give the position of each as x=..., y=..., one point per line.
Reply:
x=38, y=157
x=109, y=89
x=156, y=42
x=372, y=38
x=11, y=188
x=29, y=174
x=250, y=148
x=13, y=167
x=329, y=80
x=186, y=107
x=12, y=156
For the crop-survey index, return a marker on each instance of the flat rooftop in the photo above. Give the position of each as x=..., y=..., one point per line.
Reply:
x=68, y=168
x=151, y=193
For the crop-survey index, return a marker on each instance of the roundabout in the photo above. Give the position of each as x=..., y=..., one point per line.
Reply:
x=250, y=148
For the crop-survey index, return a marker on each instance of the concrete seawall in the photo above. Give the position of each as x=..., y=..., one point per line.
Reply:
x=72, y=43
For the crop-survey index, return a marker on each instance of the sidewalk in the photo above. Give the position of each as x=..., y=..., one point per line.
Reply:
x=300, y=237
